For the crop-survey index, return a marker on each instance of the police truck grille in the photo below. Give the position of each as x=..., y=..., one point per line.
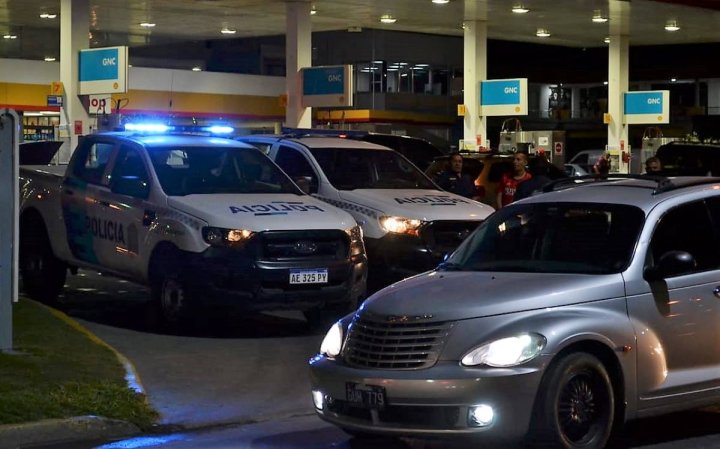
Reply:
x=316, y=244
x=402, y=343
x=444, y=236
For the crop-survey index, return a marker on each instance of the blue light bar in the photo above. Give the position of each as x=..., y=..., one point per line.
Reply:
x=147, y=127
x=217, y=129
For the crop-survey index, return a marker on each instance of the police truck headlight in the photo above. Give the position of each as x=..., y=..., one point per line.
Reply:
x=332, y=343
x=506, y=352
x=356, y=240
x=227, y=238
x=401, y=225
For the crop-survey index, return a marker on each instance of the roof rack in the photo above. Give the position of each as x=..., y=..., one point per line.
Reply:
x=313, y=132
x=662, y=183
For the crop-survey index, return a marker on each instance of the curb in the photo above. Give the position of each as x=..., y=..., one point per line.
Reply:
x=14, y=436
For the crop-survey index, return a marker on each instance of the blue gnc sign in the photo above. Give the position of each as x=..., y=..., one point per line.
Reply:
x=647, y=107
x=327, y=86
x=103, y=70
x=503, y=97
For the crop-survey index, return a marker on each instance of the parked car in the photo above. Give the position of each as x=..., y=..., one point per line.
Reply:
x=577, y=170
x=487, y=170
x=585, y=159
x=689, y=158
x=561, y=316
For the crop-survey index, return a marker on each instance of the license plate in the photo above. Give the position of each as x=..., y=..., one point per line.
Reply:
x=319, y=276
x=365, y=396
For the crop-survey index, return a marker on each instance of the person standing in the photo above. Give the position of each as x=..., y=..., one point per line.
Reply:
x=602, y=165
x=539, y=169
x=454, y=180
x=653, y=166
x=510, y=181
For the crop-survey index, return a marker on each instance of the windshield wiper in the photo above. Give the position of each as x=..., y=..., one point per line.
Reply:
x=449, y=266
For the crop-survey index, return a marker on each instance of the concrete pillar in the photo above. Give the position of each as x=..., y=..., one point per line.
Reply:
x=74, y=30
x=618, y=61
x=474, y=71
x=298, y=54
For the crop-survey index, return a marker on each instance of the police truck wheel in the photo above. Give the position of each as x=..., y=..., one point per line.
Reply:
x=576, y=405
x=172, y=300
x=43, y=274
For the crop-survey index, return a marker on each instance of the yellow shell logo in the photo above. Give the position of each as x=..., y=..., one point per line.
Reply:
x=517, y=108
x=115, y=85
x=660, y=117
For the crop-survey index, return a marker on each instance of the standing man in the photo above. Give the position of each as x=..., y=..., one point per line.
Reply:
x=602, y=165
x=509, y=182
x=454, y=180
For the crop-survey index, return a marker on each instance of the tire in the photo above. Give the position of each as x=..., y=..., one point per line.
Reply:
x=43, y=274
x=575, y=407
x=171, y=299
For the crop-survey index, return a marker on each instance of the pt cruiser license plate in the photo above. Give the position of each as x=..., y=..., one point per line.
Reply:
x=365, y=396
x=319, y=276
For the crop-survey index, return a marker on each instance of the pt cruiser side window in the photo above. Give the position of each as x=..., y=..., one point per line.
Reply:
x=687, y=228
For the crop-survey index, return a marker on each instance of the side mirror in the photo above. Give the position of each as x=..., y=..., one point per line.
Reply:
x=131, y=186
x=672, y=263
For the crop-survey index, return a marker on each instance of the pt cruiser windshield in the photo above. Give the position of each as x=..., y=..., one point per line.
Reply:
x=204, y=170
x=349, y=169
x=552, y=238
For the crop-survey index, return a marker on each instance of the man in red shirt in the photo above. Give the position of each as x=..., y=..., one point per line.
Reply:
x=509, y=182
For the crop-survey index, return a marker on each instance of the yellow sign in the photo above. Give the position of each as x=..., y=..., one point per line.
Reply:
x=283, y=100
x=461, y=110
x=607, y=118
x=56, y=88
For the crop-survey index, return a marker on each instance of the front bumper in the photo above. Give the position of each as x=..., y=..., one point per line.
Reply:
x=223, y=277
x=432, y=402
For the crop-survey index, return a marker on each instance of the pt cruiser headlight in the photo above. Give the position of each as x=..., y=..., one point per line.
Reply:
x=400, y=225
x=332, y=343
x=229, y=238
x=356, y=240
x=506, y=352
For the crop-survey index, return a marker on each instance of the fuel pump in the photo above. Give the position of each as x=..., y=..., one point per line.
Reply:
x=513, y=138
x=651, y=141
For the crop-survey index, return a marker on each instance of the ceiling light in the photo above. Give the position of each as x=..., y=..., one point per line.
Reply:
x=196, y=69
x=313, y=11
x=542, y=32
x=147, y=24
x=49, y=59
x=598, y=17
x=605, y=83
x=673, y=79
x=440, y=2
x=519, y=9
x=387, y=18
x=606, y=40
x=228, y=31
x=46, y=15
x=10, y=36
x=672, y=25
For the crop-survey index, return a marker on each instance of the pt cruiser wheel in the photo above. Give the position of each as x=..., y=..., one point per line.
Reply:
x=575, y=405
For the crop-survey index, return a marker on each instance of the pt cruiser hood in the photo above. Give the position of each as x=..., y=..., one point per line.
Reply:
x=426, y=205
x=448, y=296
x=258, y=212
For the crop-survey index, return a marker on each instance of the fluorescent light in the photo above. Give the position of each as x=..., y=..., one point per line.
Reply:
x=313, y=11
x=672, y=25
x=440, y=2
x=10, y=36
x=542, y=32
x=605, y=83
x=196, y=69
x=598, y=17
x=46, y=15
x=519, y=9
x=228, y=31
x=147, y=24
x=673, y=79
x=49, y=59
x=387, y=18
x=606, y=40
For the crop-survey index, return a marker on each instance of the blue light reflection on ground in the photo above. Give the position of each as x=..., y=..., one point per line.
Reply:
x=140, y=442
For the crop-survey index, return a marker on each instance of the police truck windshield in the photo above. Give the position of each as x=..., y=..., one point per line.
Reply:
x=355, y=168
x=205, y=170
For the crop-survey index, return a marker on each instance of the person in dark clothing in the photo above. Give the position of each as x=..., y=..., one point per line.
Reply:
x=454, y=180
x=538, y=167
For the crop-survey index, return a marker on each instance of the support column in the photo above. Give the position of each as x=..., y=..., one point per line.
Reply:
x=474, y=71
x=74, y=30
x=298, y=54
x=618, y=62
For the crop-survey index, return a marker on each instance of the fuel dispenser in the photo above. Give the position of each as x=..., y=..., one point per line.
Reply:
x=549, y=143
x=513, y=138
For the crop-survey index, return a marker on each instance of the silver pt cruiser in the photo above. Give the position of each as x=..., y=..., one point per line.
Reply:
x=561, y=316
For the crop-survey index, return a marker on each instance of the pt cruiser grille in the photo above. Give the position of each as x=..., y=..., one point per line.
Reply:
x=284, y=245
x=401, y=344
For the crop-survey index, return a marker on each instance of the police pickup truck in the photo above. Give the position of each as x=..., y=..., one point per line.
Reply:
x=202, y=220
x=408, y=223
